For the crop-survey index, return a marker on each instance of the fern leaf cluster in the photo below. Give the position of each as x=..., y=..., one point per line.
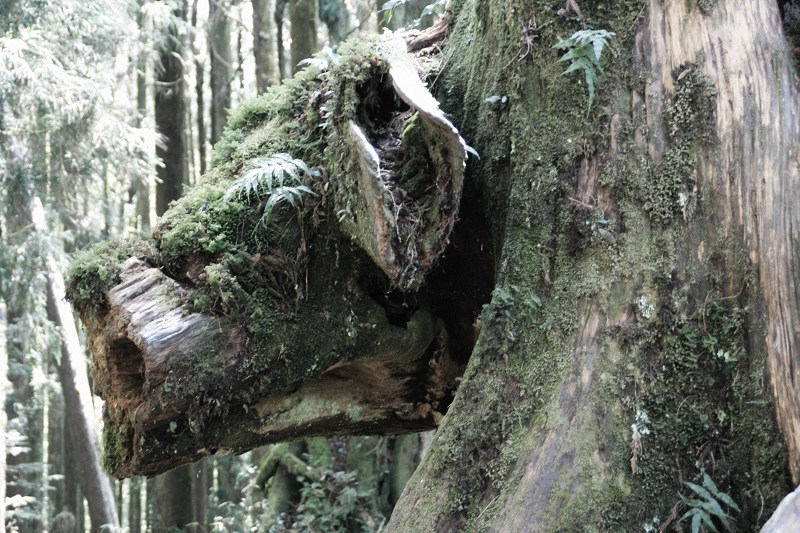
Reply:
x=278, y=179
x=585, y=49
x=706, y=506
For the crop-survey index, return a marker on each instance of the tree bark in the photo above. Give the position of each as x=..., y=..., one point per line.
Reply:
x=219, y=48
x=146, y=344
x=573, y=446
x=303, y=27
x=264, y=42
x=79, y=410
x=642, y=329
x=170, y=113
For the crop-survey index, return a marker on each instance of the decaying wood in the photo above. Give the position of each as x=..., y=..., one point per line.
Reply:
x=406, y=255
x=147, y=336
x=162, y=410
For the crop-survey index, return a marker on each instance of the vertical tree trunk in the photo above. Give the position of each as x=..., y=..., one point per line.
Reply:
x=219, y=49
x=199, y=73
x=264, y=45
x=3, y=394
x=593, y=408
x=280, y=10
x=303, y=22
x=173, y=488
x=175, y=498
x=170, y=113
x=200, y=492
x=143, y=185
x=79, y=410
x=135, y=505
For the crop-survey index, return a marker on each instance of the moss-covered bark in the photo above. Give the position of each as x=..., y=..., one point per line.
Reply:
x=623, y=351
x=282, y=281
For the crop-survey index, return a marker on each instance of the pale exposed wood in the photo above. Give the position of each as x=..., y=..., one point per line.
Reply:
x=751, y=175
x=407, y=259
x=77, y=393
x=3, y=394
x=786, y=517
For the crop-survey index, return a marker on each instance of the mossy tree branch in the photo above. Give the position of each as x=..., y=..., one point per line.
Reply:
x=232, y=329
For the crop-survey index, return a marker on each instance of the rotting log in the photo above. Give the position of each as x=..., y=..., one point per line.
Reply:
x=222, y=334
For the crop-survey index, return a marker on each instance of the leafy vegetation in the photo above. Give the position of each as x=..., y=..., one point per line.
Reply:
x=585, y=49
x=278, y=179
x=706, y=506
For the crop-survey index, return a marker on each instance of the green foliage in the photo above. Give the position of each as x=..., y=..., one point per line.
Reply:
x=97, y=269
x=707, y=505
x=278, y=178
x=585, y=52
x=336, y=503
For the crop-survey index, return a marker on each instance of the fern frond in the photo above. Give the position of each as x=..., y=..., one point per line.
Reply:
x=278, y=178
x=585, y=47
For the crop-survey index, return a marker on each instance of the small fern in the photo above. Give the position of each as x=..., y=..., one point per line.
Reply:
x=278, y=178
x=586, y=48
x=706, y=506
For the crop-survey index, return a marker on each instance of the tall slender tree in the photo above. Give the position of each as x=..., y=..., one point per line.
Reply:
x=170, y=112
x=264, y=42
x=174, y=487
x=219, y=49
x=303, y=27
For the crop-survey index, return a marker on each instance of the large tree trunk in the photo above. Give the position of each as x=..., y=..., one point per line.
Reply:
x=613, y=392
x=642, y=329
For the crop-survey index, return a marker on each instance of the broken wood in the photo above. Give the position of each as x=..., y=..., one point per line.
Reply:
x=183, y=380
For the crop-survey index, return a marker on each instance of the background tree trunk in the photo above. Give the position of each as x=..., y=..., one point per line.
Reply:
x=219, y=49
x=170, y=114
x=79, y=411
x=135, y=505
x=173, y=503
x=696, y=173
x=303, y=25
x=264, y=41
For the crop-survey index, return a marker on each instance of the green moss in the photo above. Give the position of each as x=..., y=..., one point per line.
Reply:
x=689, y=121
x=94, y=271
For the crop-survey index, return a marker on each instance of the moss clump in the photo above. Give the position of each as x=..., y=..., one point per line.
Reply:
x=94, y=271
x=694, y=409
x=706, y=6
x=690, y=123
